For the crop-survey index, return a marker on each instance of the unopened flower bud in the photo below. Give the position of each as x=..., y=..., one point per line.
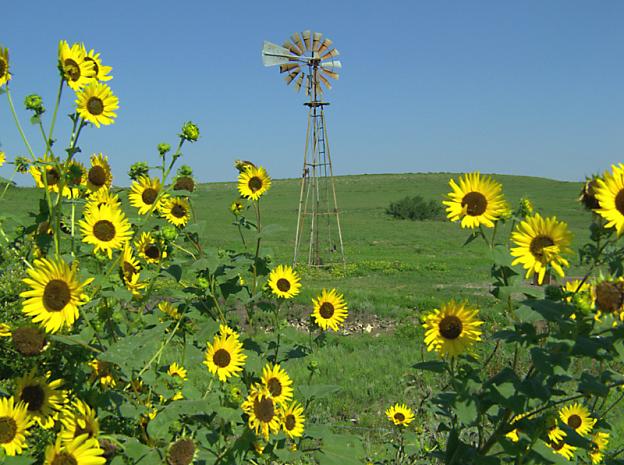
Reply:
x=190, y=132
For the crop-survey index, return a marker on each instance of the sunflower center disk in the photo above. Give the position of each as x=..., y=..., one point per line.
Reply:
x=52, y=176
x=64, y=459
x=399, y=416
x=56, y=295
x=557, y=445
x=129, y=269
x=34, y=397
x=96, y=68
x=283, y=285
x=97, y=176
x=538, y=244
x=264, y=409
x=326, y=310
x=3, y=67
x=255, y=184
x=451, y=327
x=221, y=358
x=574, y=421
x=86, y=430
x=609, y=297
x=28, y=341
x=178, y=211
x=619, y=201
x=8, y=428
x=185, y=183
x=274, y=386
x=152, y=251
x=95, y=106
x=72, y=69
x=182, y=452
x=290, y=422
x=475, y=203
x=104, y=230
x=149, y=195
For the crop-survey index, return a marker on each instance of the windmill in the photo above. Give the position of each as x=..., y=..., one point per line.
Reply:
x=308, y=61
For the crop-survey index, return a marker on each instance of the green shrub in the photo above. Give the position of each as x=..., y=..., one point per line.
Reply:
x=416, y=208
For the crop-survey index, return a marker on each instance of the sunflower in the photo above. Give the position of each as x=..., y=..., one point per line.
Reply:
x=74, y=68
x=75, y=176
x=99, y=175
x=609, y=191
x=129, y=264
x=293, y=420
x=263, y=412
x=29, y=341
x=253, y=182
x=106, y=228
x=14, y=424
x=225, y=357
x=475, y=201
x=43, y=398
x=5, y=76
x=82, y=450
x=96, y=103
x=284, y=282
x=540, y=242
x=100, y=71
x=102, y=197
x=54, y=295
x=169, y=309
x=102, y=372
x=588, y=194
x=226, y=331
x=330, y=309
x=181, y=452
x=236, y=207
x=5, y=330
x=599, y=443
x=452, y=329
x=576, y=416
x=400, y=414
x=556, y=441
x=52, y=178
x=184, y=183
x=144, y=195
x=2, y=158
x=79, y=419
x=513, y=434
x=176, y=210
x=150, y=249
x=177, y=370
x=578, y=293
x=608, y=296
x=277, y=381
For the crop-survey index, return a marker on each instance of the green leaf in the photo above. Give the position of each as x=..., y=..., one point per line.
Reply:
x=139, y=453
x=341, y=449
x=175, y=271
x=18, y=460
x=466, y=410
x=159, y=426
x=436, y=366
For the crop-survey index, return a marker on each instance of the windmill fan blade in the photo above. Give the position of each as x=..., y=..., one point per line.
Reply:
x=333, y=53
x=334, y=64
x=298, y=82
x=324, y=46
x=324, y=80
x=306, y=39
x=273, y=54
x=298, y=42
x=316, y=42
x=291, y=77
x=318, y=89
x=331, y=74
x=293, y=48
x=289, y=67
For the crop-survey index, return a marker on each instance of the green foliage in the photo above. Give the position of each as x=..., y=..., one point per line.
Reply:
x=416, y=208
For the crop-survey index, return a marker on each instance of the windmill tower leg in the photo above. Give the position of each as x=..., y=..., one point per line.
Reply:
x=302, y=201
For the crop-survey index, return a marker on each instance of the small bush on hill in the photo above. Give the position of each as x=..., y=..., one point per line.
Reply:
x=416, y=208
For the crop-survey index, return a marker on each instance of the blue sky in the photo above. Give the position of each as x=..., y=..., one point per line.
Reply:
x=530, y=87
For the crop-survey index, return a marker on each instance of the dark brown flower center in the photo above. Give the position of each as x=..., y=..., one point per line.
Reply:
x=3, y=67
x=283, y=284
x=152, y=251
x=588, y=195
x=86, y=430
x=128, y=268
x=274, y=386
x=221, y=358
x=97, y=176
x=95, y=106
x=450, y=327
x=181, y=452
x=185, y=183
x=619, y=201
x=104, y=230
x=574, y=421
x=557, y=445
x=63, y=458
x=8, y=429
x=475, y=203
x=290, y=422
x=255, y=184
x=56, y=295
x=149, y=196
x=28, y=341
x=34, y=396
x=538, y=244
x=178, y=211
x=96, y=68
x=72, y=70
x=399, y=417
x=609, y=297
x=326, y=310
x=264, y=409
x=52, y=177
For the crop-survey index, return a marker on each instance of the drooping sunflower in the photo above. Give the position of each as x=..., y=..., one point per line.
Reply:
x=253, y=182
x=330, y=310
x=225, y=357
x=100, y=71
x=54, y=295
x=150, y=249
x=181, y=452
x=263, y=412
x=293, y=420
x=400, y=414
x=53, y=174
x=598, y=446
x=475, y=201
x=96, y=103
x=144, y=195
x=608, y=296
x=284, y=282
x=29, y=341
x=177, y=370
x=277, y=381
x=14, y=424
x=44, y=399
x=99, y=175
x=5, y=76
x=82, y=450
x=107, y=228
x=577, y=417
x=176, y=210
x=609, y=191
x=556, y=441
x=540, y=242
x=452, y=329
x=72, y=64
x=78, y=419
x=184, y=183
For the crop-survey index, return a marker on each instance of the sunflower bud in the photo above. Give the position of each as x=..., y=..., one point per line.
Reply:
x=203, y=283
x=163, y=149
x=169, y=233
x=34, y=103
x=28, y=341
x=190, y=132
x=21, y=164
x=242, y=165
x=138, y=169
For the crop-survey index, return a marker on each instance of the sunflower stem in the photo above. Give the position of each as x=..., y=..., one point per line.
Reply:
x=17, y=123
x=8, y=183
x=160, y=350
x=278, y=331
x=56, y=107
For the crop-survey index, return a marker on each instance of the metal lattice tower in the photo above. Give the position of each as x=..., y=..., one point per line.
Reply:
x=318, y=218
